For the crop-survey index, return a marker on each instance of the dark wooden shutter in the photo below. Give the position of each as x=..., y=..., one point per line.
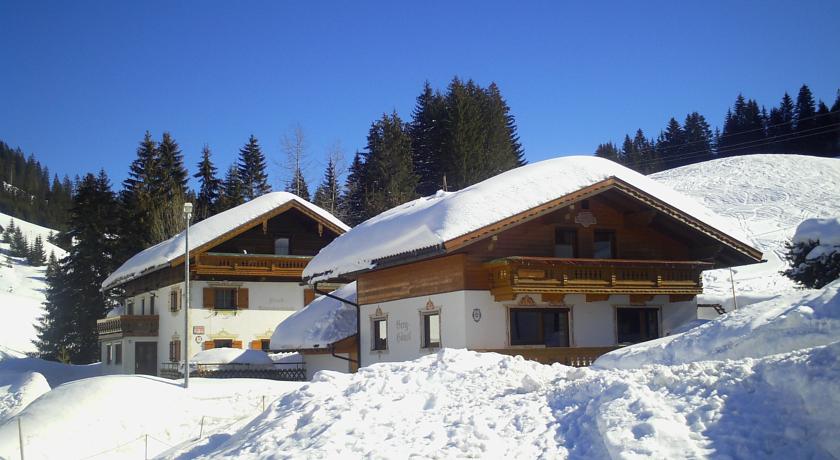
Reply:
x=256, y=344
x=209, y=297
x=208, y=345
x=308, y=296
x=237, y=344
x=241, y=299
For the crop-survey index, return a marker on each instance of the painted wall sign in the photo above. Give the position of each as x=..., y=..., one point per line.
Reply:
x=198, y=329
x=403, y=333
x=199, y=339
x=585, y=218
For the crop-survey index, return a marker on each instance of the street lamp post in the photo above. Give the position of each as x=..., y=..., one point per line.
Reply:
x=188, y=207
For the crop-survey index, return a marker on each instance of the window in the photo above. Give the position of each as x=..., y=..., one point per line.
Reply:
x=129, y=307
x=635, y=325
x=152, y=305
x=431, y=330
x=173, y=300
x=265, y=345
x=539, y=326
x=380, y=334
x=604, y=247
x=225, y=299
x=143, y=306
x=223, y=343
x=281, y=246
x=118, y=353
x=175, y=351
x=565, y=243
x=108, y=354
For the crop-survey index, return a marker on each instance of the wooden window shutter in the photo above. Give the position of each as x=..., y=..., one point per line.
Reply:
x=308, y=296
x=256, y=344
x=237, y=344
x=209, y=345
x=241, y=300
x=209, y=297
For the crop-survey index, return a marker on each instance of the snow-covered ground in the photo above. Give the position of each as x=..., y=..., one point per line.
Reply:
x=22, y=290
x=766, y=196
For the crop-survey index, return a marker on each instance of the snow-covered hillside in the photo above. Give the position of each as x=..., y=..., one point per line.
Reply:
x=22, y=289
x=766, y=196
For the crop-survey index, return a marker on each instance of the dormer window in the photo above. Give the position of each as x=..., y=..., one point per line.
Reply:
x=281, y=246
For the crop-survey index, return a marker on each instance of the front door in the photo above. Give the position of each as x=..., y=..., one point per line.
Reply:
x=145, y=358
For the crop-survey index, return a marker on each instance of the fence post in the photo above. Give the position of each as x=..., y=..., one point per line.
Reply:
x=201, y=430
x=146, y=451
x=263, y=403
x=20, y=438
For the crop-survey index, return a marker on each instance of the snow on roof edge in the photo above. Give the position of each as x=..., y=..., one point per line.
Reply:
x=162, y=254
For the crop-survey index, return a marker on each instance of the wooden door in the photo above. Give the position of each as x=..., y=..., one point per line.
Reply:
x=145, y=358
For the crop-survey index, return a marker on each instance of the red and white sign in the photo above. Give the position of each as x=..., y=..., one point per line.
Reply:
x=198, y=329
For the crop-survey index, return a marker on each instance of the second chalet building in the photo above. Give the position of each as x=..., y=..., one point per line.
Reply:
x=558, y=261
x=245, y=278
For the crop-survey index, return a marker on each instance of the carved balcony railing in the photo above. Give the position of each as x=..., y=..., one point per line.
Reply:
x=213, y=263
x=546, y=275
x=128, y=326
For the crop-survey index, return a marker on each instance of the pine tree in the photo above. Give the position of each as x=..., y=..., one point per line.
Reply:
x=36, y=255
x=610, y=152
x=814, y=272
x=173, y=174
x=252, y=170
x=18, y=247
x=55, y=329
x=297, y=185
x=826, y=132
x=389, y=173
x=232, y=190
x=328, y=194
x=206, y=203
x=806, y=122
x=9, y=231
x=353, y=200
x=70, y=323
x=671, y=147
x=427, y=133
x=698, y=140
x=780, y=125
x=137, y=200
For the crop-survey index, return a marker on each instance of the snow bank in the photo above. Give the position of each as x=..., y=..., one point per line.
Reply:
x=788, y=322
x=56, y=373
x=766, y=196
x=429, y=222
x=111, y=415
x=824, y=231
x=465, y=404
x=322, y=322
x=32, y=231
x=231, y=356
x=207, y=230
x=18, y=390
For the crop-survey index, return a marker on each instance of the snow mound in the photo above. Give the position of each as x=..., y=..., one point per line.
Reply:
x=466, y=404
x=18, y=390
x=322, y=322
x=789, y=322
x=231, y=356
x=824, y=231
x=110, y=416
x=207, y=230
x=428, y=222
x=55, y=373
x=767, y=197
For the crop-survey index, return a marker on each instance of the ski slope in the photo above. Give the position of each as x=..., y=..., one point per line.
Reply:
x=766, y=196
x=22, y=289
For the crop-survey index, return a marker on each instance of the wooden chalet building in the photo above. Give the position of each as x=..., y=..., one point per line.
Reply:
x=245, y=278
x=557, y=261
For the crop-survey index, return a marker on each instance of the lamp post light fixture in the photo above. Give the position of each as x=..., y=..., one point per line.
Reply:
x=188, y=208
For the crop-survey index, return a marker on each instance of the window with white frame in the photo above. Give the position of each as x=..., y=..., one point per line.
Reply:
x=431, y=329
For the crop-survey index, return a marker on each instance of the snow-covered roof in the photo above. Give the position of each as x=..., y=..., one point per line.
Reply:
x=206, y=231
x=431, y=221
x=323, y=322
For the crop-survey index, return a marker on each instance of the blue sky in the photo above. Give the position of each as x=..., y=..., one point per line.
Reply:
x=82, y=81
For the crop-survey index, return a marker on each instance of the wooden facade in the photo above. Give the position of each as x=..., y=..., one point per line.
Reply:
x=127, y=326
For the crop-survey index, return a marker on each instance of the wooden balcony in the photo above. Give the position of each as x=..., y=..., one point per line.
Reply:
x=569, y=356
x=128, y=326
x=553, y=276
x=265, y=265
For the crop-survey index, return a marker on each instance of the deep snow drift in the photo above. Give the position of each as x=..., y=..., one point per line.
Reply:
x=320, y=323
x=767, y=197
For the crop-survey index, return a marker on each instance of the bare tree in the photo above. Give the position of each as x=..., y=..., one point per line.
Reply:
x=294, y=148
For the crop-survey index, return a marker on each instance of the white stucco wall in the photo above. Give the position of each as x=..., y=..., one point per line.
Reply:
x=325, y=362
x=127, y=365
x=592, y=324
